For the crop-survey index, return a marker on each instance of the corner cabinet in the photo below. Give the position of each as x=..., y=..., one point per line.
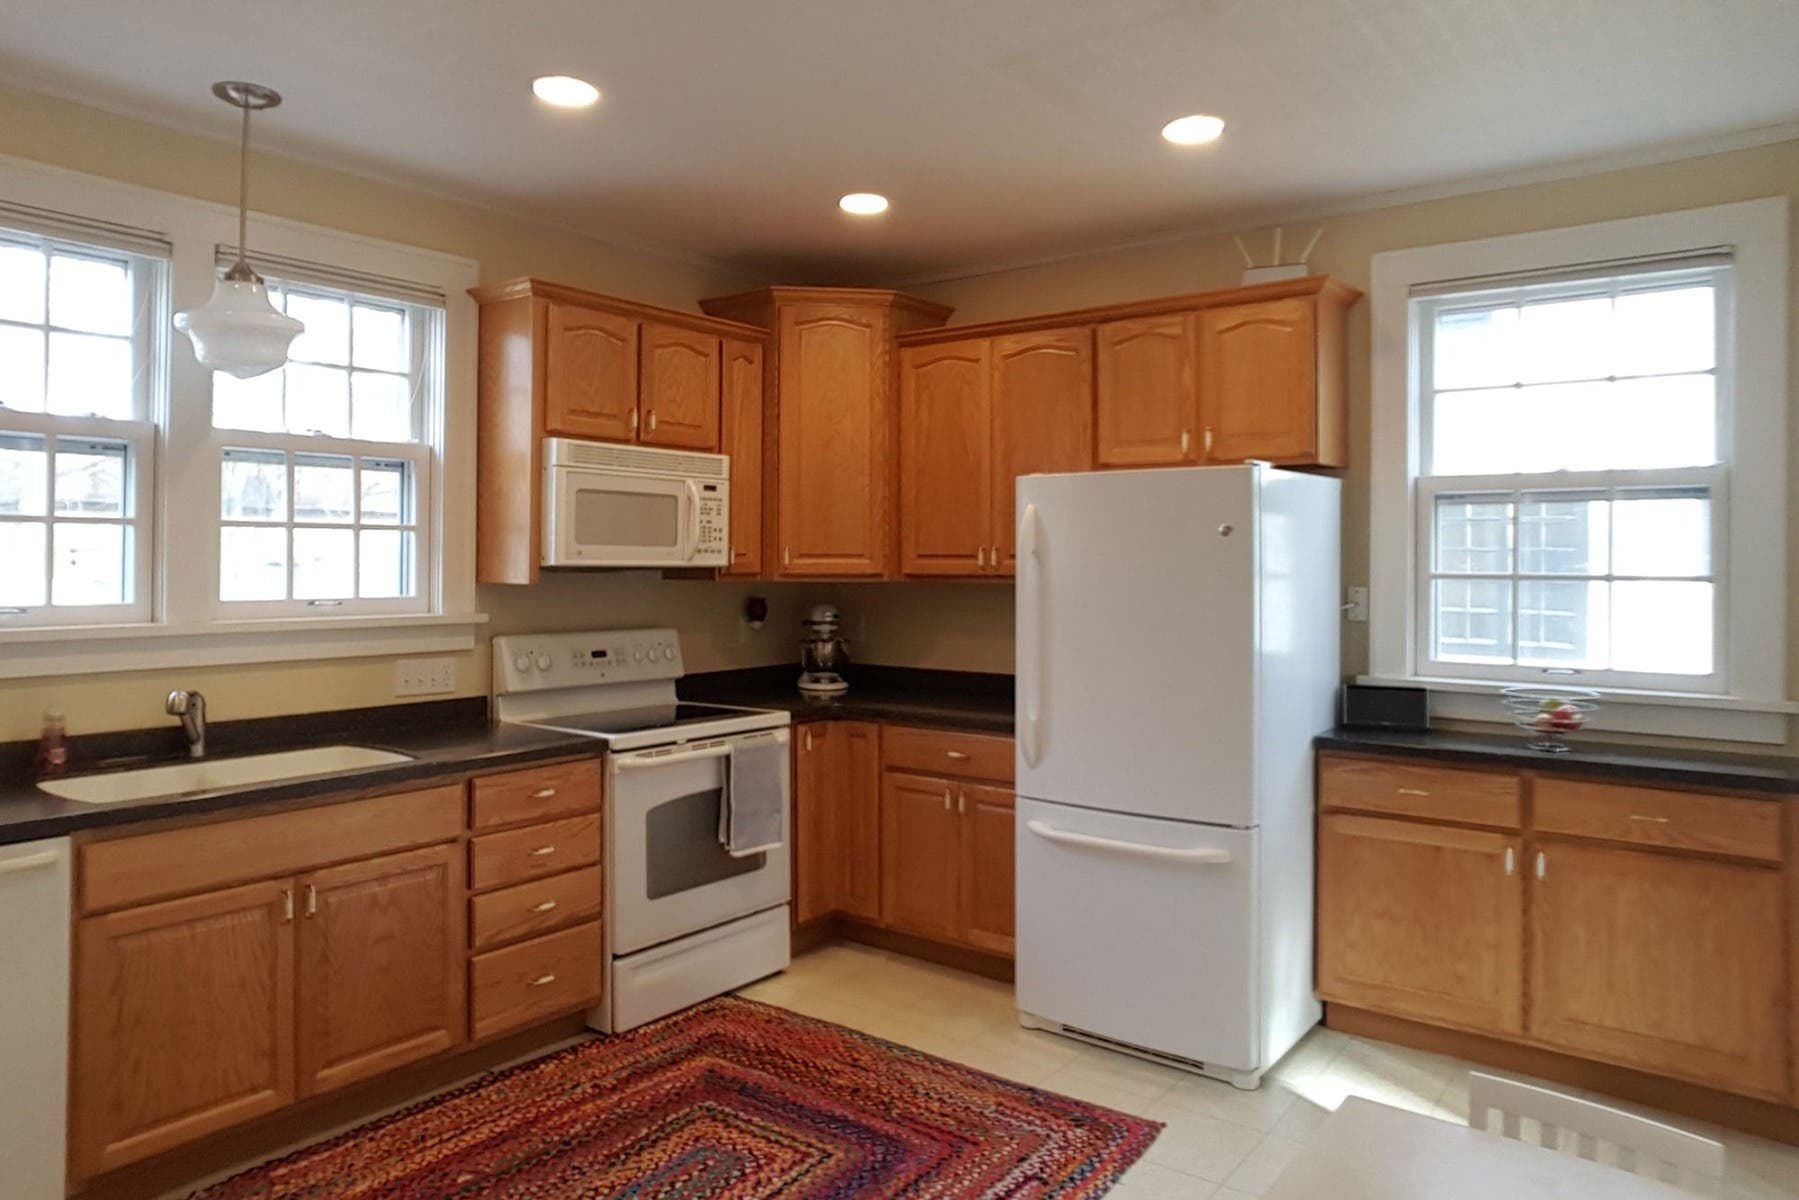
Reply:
x=828, y=497
x=556, y=361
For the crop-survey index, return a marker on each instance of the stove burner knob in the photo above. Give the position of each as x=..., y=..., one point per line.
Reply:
x=543, y=661
x=522, y=663
x=637, y=654
x=668, y=652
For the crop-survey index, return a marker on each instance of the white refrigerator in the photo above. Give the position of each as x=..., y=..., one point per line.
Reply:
x=1177, y=650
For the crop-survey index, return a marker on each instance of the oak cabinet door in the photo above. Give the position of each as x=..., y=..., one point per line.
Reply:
x=1421, y=921
x=1258, y=381
x=741, y=438
x=946, y=454
x=835, y=441
x=1664, y=963
x=837, y=839
x=988, y=863
x=381, y=965
x=590, y=374
x=678, y=395
x=1147, y=400
x=1042, y=420
x=921, y=856
x=184, y=1022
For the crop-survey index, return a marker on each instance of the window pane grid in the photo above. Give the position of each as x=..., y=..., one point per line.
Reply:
x=69, y=324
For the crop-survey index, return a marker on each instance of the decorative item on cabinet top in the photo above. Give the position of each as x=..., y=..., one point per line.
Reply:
x=560, y=361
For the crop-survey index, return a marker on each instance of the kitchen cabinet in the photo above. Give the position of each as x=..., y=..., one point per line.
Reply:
x=741, y=439
x=556, y=361
x=1146, y=395
x=1042, y=420
x=946, y=458
x=1421, y=920
x=921, y=859
x=184, y=1021
x=988, y=892
x=1660, y=962
x=590, y=374
x=679, y=394
x=829, y=508
x=380, y=965
x=1272, y=379
x=836, y=816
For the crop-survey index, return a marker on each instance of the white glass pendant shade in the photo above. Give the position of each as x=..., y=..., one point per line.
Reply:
x=239, y=331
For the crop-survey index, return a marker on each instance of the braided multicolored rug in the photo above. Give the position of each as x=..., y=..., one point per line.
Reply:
x=731, y=1100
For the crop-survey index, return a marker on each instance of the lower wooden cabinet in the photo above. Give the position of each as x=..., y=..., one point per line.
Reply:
x=520, y=985
x=381, y=965
x=1660, y=962
x=1422, y=921
x=988, y=866
x=183, y=1023
x=836, y=820
x=920, y=856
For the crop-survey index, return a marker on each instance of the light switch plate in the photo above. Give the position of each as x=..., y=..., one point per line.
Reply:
x=424, y=676
x=1357, y=608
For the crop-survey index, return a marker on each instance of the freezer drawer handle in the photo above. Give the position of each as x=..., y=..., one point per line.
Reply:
x=30, y=862
x=1199, y=854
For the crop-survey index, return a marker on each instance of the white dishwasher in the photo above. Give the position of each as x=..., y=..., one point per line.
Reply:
x=34, y=1034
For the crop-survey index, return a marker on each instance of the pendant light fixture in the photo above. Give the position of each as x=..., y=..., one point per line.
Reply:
x=239, y=331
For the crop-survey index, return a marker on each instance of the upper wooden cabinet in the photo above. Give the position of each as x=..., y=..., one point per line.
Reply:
x=974, y=416
x=741, y=439
x=558, y=361
x=828, y=501
x=1147, y=401
x=1273, y=378
x=590, y=373
x=679, y=394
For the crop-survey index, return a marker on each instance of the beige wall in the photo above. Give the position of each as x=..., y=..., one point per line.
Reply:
x=1349, y=243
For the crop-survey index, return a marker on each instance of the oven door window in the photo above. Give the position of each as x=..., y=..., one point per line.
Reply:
x=620, y=517
x=682, y=850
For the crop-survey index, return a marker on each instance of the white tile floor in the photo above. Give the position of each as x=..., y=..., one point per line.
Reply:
x=1219, y=1142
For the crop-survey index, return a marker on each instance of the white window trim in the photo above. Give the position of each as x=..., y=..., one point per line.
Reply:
x=183, y=632
x=1755, y=706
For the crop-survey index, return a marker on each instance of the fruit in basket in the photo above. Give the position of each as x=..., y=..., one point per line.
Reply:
x=1559, y=715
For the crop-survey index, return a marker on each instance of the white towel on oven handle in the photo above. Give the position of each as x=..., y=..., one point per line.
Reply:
x=752, y=808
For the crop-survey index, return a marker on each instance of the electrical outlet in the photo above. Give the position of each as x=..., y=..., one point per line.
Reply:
x=1357, y=608
x=424, y=676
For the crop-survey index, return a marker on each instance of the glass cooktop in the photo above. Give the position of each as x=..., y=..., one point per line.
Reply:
x=634, y=720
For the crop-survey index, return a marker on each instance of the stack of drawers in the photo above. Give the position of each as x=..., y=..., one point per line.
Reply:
x=535, y=889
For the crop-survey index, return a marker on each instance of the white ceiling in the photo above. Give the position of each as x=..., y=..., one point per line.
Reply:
x=1002, y=130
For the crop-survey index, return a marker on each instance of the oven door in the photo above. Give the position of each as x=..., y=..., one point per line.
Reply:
x=666, y=873
x=601, y=519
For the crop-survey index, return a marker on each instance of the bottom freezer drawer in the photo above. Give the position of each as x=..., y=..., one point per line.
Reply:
x=1140, y=930
x=664, y=979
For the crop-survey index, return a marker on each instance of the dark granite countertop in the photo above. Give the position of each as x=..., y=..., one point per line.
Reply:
x=967, y=700
x=443, y=738
x=1649, y=764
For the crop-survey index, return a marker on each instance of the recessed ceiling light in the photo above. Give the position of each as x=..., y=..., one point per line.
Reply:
x=1195, y=130
x=863, y=204
x=565, y=91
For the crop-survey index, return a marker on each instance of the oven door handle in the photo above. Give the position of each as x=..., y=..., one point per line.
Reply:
x=628, y=760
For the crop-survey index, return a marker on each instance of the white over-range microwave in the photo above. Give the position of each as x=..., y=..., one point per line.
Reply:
x=633, y=506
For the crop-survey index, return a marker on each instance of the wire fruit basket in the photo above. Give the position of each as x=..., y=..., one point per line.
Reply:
x=1551, y=713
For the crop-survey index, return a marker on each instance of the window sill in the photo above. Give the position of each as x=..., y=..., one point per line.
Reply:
x=96, y=649
x=1621, y=710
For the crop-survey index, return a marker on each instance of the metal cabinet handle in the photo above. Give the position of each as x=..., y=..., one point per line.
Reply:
x=945, y=799
x=958, y=755
x=962, y=803
x=1208, y=440
x=550, y=905
x=287, y=904
x=1650, y=820
x=652, y=420
x=312, y=900
x=980, y=556
x=633, y=420
x=1510, y=862
x=1542, y=866
x=543, y=793
x=1186, y=440
x=543, y=851
x=1411, y=791
x=541, y=980
x=786, y=557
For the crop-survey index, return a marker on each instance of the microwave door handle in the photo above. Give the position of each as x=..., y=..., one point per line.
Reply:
x=693, y=520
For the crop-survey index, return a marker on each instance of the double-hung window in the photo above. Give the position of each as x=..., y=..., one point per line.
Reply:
x=1572, y=491
x=80, y=353
x=325, y=466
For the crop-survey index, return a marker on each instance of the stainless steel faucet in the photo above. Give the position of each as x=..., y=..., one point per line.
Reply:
x=191, y=708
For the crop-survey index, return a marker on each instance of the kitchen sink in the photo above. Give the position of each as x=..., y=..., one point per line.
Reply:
x=190, y=779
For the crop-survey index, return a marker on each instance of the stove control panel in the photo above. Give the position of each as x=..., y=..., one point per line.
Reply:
x=540, y=662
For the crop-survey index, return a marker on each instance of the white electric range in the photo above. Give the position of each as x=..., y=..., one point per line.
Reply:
x=684, y=920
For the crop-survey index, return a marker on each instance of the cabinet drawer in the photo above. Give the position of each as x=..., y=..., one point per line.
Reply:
x=533, y=852
x=1413, y=790
x=1643, y=816
x=511, y=988
x=939, y=752
x=535, y=794
x=531, y=908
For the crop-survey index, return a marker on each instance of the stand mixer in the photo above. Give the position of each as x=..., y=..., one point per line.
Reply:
x=823, y=653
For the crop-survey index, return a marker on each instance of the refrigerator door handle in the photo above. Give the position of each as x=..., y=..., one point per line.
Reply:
x=1030, y=609
x=1198, y=854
